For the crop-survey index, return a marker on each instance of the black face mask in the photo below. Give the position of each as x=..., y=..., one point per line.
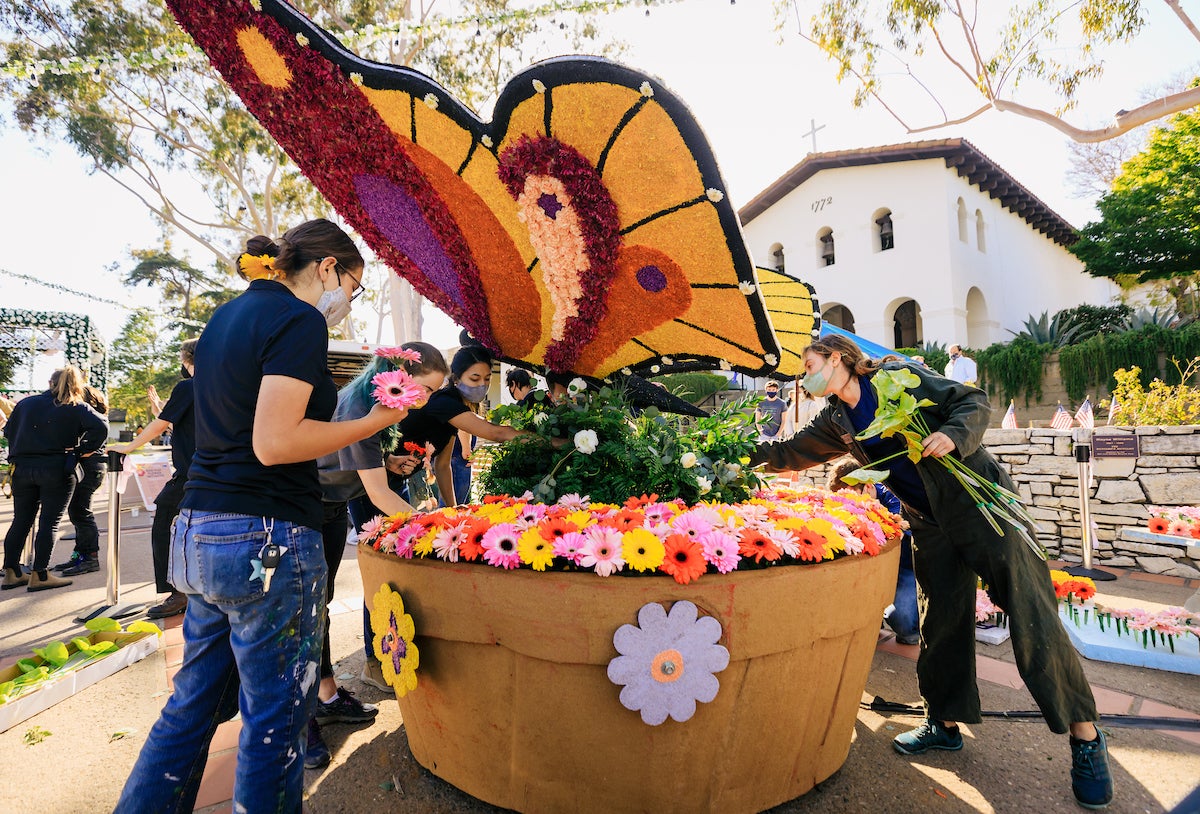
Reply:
x=772, y=396
x=183, y=372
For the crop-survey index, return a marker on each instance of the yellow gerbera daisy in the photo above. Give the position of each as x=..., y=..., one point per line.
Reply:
x=642, y=550
x=535, y=550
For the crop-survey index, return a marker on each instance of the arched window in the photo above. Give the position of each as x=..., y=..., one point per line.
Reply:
x=885, y=237
x=906, y=324
x=978, y=324
x=840, y=316
x=775, y=257
x=825, y=250
x=980, y=240
x=962, y=221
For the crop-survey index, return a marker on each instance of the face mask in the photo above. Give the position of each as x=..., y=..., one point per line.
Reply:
x=476, y=394
x=183, y=372
x=771, y=394
x=816, y=383
x=334, y=306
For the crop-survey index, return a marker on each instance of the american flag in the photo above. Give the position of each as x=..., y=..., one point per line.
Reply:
x=1010, y=418
x=1113, y=409
x=1062, y=419
x=1084, y=415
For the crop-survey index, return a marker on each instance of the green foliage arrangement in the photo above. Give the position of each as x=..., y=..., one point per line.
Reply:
x=8, y=365
x=611, y=454
x=1089, y=364
x=1013, y=369
x=1160, y=405
x=693, y=387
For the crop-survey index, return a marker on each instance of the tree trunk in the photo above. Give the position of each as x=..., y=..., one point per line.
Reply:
x=407, y=319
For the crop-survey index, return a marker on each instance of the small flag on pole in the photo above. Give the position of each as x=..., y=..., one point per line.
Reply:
x=1010, y=418
x=1084, y=415
x=1062, y=419
x=1113, y=409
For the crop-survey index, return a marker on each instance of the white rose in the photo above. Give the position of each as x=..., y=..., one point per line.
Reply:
x=576, y=386
x=705, y=485
x=687, y=460
x=586, y=441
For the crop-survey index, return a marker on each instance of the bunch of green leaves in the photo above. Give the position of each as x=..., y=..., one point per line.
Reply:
x=635, y=453
x=57, y=659
x=899, y=413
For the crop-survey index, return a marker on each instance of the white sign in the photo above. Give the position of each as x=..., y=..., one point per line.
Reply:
x=151, y=477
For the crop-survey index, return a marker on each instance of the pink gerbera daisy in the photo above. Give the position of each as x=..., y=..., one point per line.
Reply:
x=405, y=537
x=574, y=501
x=446, y=542
x=396, y=389
x=371, y=527
x=570, y=546
x=500, y=546
x=692, y=524
x=659, y=512
x=720, y=550
x=603, y=550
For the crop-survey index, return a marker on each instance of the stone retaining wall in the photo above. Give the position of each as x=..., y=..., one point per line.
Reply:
x=1042, y=463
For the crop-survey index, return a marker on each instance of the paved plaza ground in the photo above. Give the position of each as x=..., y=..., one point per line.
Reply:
x=1007, y=766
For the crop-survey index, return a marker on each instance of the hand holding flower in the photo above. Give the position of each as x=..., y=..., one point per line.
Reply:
x=936, y=445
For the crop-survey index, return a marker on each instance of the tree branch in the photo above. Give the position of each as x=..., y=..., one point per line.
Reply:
x=1125, y=120
x=1182, y=15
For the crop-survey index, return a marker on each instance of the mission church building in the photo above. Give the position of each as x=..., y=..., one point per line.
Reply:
x=928, y=241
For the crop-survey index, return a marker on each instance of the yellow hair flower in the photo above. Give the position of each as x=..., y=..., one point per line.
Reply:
x=257, y=267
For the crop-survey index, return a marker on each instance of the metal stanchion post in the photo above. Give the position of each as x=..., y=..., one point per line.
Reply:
x=1083, y=456
x=116, y=464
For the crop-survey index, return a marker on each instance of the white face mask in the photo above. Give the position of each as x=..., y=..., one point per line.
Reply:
x=334, y=306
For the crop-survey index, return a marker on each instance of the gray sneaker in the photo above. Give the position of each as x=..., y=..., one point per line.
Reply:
x=929, y=735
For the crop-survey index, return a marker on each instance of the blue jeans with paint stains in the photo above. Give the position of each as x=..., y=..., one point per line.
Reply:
x=244, y=648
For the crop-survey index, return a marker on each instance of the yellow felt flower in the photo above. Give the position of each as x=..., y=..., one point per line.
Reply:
x=535, y=550
x=642, y=550
x=392, y=640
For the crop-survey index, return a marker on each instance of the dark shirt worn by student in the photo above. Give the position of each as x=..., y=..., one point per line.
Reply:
x=431, y=424
x=180, y=413
x=266, y=331
x=41, y=432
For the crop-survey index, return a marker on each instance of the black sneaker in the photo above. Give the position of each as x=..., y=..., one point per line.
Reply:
x=346, y=709
x=86, y=564
x=1091, y=780
x=71, y=563
x=316, y=755
x=929, y=735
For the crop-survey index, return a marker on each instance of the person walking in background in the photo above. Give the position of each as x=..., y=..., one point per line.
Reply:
x=354, y=486
x=85, y=559
x=46, y=433
x=520, y=386
x=961, y=368
x=806, y=408
x=177, y=416
x=772, y=415
x=246, y=547
x=953, y=545
x=901, y=615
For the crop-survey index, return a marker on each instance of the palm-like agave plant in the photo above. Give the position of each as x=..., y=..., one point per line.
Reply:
x=1163, y=317
x=1046, y=331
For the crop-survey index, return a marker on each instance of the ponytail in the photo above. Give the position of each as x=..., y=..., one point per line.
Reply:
x=66, y=385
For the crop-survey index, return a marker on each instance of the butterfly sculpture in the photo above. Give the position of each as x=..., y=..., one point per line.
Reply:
x=585, y=228
x=792, y=306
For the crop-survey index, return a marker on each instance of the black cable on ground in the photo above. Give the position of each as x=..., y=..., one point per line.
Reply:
x=880, y=704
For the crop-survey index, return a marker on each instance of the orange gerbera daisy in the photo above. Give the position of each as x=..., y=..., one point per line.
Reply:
x=1159, y=525
x=1084, y=591
x=684, y=558
x=753, y=543
x=811, y=545
x=556, y=527
x=625, y=520
x=863, y=533
x=638, y=502
x=471, y=545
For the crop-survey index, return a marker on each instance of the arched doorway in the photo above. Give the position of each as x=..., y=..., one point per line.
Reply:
x=906, y=325
x=839, y=316
x=978, y=325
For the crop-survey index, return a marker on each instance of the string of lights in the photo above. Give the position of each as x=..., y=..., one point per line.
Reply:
x=62, y=289
x=167, y=55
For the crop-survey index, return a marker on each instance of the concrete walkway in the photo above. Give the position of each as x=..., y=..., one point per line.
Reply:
x=1007, y=766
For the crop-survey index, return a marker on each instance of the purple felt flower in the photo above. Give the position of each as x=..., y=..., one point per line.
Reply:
x=667, y=662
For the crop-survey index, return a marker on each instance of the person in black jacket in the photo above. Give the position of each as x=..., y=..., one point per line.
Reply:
x=951, y=544
x=46, y=433
x=86, y=557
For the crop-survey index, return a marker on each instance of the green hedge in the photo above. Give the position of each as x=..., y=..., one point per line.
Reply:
x=1090, y=364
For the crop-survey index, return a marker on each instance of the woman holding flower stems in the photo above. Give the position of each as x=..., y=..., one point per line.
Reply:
x=926, y=431
x=448, y=411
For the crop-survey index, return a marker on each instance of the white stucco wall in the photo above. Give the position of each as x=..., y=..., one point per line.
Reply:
x=1019, y=272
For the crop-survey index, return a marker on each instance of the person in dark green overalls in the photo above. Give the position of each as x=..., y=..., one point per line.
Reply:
x=947, y=562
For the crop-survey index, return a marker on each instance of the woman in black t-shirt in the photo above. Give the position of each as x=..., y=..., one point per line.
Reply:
x=447, y=412
x=246, y=547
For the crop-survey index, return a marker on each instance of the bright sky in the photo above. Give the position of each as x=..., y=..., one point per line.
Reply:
x=753, y=96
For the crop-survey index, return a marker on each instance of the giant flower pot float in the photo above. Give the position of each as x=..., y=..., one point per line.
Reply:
x=563, y=691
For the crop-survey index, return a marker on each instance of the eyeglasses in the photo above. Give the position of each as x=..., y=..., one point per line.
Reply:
x=358, y=286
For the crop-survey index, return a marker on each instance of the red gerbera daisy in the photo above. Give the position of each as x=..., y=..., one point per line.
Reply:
x=556, y=527
x=684, y=558
x=471, y=546
x=1084, y=591
x=811, y=545
x=1159, y=525
x=753, y=543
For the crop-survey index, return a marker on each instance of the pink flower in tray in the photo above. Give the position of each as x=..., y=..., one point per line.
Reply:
x=500, y=545
x=570, y=546
x=371, y=527
x=405, y=537
x=721, y=550
x=1180, y=528
x=398, y=354
x=446, y=543
x=603, y=550
x=396, y=389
